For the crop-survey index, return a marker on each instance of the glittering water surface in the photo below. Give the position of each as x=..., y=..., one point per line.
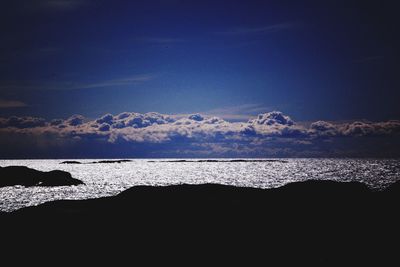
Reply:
x=104, y=179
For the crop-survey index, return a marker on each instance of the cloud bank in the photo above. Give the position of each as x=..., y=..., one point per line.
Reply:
x=11, y=104
x=131, y=134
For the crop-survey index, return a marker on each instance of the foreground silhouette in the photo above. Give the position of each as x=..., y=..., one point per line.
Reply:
x=320, y=223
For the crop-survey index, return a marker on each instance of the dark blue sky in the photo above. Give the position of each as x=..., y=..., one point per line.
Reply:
x=326, y=60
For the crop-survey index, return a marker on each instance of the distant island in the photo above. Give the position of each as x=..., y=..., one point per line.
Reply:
x=96, y=162
x=21, y=175
x=221, y=160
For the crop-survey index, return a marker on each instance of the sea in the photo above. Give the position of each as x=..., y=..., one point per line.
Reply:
x=108, y=179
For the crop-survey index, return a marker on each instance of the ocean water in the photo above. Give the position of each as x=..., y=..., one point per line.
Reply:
x=107, y=179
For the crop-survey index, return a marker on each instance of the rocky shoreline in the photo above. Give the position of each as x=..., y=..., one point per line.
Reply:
x=315, y=222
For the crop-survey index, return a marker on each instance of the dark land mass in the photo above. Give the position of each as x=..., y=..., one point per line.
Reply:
x=21, y=175
x=312, y=223
x=218, y=160
x=176, y=161
x=112, y=161
x=96, y=162
x=71, y=162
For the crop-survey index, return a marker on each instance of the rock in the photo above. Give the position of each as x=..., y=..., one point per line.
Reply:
x=221, y=160
x=315, y=223
x=96, y=162
x=20, y=175
x=112, y=161
x=393, y=189
x=71, y=162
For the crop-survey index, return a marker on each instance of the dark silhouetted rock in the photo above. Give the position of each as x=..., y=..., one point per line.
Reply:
x=393, y=189
x=96, y=162
x=222, y=160
x=112, y=161
x=20, y=175
x=312, y=223
x=71, y=162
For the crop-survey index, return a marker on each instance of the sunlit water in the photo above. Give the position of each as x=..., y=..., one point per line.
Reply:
x=109, y=179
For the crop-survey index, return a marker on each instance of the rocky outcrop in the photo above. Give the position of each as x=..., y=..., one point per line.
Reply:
x=222, y=160
x=71, y=162
x=20, y=175
x=112, y=161
x=96, y=162
x=313, y=223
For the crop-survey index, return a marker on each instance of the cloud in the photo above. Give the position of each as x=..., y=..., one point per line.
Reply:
x=104, y=127
x=67, y=85
x=56, y=122
x=272, y=118
x=355, y=129
x=323, y=128
x=75, y=120
x=11, y=104
x=359, y=128
x=22, y=122
x=132, y=80
x=154, y=134
x=258, y=30
x=238, y=112
x=107, y=119
x=196, y=117
x=138, y=120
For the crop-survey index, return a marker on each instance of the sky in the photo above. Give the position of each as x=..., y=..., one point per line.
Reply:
x=313, y=62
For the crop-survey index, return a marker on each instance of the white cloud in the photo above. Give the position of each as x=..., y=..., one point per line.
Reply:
x=238, y=112
x=272, y=118
x=209, y=135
